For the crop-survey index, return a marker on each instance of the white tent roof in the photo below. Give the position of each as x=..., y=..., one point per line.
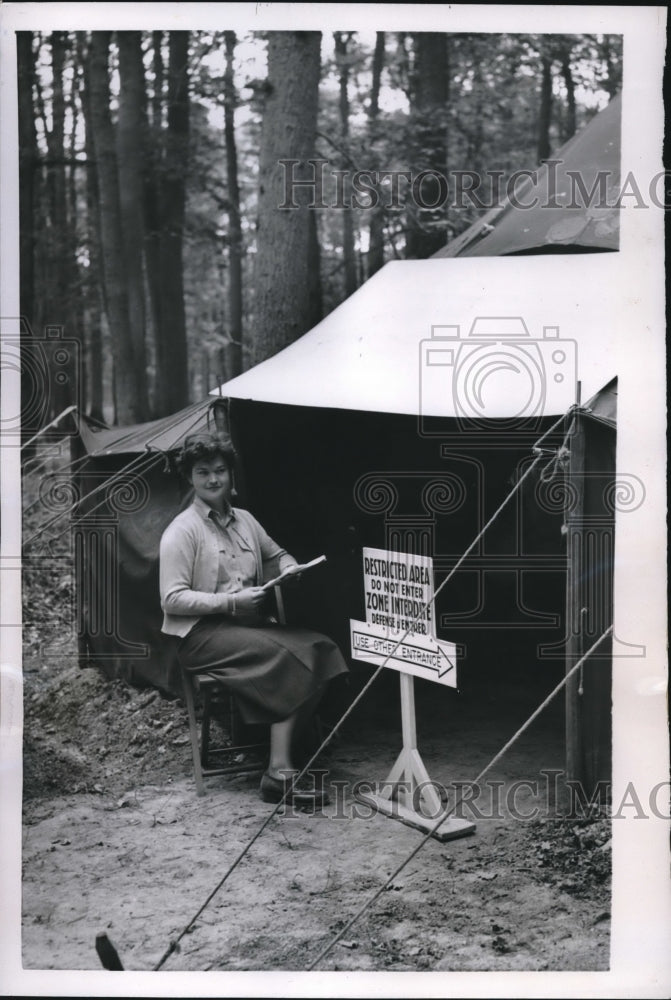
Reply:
x=393, y=346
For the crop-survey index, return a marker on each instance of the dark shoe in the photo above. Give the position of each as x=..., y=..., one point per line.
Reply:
x=273, y=790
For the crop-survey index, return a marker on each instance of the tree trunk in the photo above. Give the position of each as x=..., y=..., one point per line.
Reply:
x=481, y=97
x=342, y=40
x=76, y=198
x=41, y=208
x=376, y=231
x=429, y=104
x=570, y=125
x=205, y=373
x=56, y=186
x=157, y=98
x=27, y=172
x=171, y=335
x=126, y=382
x=95, y=285
x=62, y=275
x=315, y=309
x=152, y=217
x=95, y=376
x=613, y=79
x=235, y=246
x=545, y=112
x=27, y=182
x=130, y=135
x=115, y=396
x=283, y=279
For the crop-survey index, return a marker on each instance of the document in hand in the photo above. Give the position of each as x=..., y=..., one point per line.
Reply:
x=293, y=570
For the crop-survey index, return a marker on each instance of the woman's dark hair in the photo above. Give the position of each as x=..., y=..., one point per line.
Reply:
x=204, y=446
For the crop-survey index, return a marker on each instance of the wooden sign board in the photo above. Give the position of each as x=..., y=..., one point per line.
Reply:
x=398, y=590
x=400, y=633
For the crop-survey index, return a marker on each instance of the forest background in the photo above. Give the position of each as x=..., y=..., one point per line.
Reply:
x=155, y=260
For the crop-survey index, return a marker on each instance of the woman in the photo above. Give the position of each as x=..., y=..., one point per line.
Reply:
x=213, y=561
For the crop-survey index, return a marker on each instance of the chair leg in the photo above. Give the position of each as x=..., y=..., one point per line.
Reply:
x=234, y=722
x=205, y=731
x=193, y=733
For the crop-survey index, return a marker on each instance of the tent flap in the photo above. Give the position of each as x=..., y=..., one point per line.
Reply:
x=603, y=406
x=165, y=434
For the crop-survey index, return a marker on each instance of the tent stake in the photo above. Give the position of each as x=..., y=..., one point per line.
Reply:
x=108, y=954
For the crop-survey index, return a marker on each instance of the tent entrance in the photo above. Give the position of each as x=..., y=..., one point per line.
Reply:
x=335, y=481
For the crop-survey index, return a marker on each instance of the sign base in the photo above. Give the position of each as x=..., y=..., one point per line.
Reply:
x=451, y=829
x=408, y=787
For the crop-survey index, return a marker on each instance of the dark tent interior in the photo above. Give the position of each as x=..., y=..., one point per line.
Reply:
x=333, y=481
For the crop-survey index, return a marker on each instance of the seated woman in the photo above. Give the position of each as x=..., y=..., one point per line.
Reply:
x=213, y=560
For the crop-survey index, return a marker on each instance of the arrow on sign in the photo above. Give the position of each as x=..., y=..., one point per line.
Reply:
x=445, y=664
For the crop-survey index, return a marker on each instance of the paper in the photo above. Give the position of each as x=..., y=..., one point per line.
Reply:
x=293, y=571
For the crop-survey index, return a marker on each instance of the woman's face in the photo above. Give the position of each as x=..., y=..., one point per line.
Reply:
x=211, y=479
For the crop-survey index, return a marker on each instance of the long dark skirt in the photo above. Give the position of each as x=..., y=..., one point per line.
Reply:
x=271, y=669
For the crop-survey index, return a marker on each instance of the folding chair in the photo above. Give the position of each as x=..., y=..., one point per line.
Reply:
x=217, y=701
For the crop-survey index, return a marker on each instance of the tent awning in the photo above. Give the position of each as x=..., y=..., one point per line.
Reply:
x=165, y=434
x=454, y=338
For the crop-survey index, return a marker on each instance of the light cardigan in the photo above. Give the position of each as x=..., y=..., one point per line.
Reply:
x=189, y=564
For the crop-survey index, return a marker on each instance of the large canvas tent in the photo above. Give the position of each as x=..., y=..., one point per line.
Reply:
x=403, y=419
x=388, y=426
x=570, y=205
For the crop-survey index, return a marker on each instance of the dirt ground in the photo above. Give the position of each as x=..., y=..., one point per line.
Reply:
x=116, y=840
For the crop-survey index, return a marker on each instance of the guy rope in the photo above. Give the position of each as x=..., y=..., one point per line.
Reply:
x=540, y=453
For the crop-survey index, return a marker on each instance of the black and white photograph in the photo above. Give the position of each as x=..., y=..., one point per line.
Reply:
x=333, y=468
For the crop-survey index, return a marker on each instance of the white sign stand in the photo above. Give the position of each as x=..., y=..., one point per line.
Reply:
x=408, y=794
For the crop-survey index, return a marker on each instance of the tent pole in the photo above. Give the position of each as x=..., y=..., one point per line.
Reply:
x=77, y=452
x=574, y=540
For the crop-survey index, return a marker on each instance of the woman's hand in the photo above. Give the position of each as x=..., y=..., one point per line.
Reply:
x=249, y=601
